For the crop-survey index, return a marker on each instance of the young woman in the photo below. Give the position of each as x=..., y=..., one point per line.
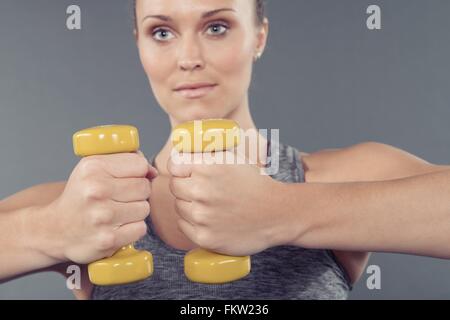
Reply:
x=308, y=240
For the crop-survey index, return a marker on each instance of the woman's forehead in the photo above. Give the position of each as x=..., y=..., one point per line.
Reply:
x=180, y=7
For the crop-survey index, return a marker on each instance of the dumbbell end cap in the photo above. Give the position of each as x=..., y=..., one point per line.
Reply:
x=106, y=140
x=203, y=266
x=121, y=270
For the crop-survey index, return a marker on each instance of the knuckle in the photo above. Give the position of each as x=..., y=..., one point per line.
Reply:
x=146, y=188
x=172, y=186
x=197, y=216
x=141, y=230
x=89, y=166
x=179, y=222
x=102, y=217
x=198, y=191
x=94, y=190
x=141, y=164
x=144, y=208
x=169, y=165
x=106, y=241
x=178, y=204
x=203, y=239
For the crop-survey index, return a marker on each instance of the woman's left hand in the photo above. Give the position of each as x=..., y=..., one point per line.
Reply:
x=227, y=208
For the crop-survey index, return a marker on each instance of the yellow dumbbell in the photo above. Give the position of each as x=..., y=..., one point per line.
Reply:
x=210, y=135
x=127, y=264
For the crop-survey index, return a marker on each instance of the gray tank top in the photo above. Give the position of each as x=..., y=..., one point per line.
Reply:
x=282, y=272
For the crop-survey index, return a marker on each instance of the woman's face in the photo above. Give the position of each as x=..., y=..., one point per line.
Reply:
x=199, y=41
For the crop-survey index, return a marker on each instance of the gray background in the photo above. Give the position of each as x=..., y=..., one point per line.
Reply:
x=325, y=80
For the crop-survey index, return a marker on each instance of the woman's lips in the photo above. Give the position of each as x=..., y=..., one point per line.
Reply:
x=196, y=93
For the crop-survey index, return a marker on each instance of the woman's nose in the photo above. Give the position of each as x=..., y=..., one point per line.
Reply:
x=190, y=56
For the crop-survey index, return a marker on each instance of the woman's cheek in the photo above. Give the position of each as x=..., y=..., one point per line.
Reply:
x=235, y=58
x=154, y=65
x=157, y=73
x=236, y=71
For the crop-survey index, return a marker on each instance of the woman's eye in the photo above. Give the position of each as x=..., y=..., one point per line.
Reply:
x=218, y=29
x=161, y=34
x=165, y=35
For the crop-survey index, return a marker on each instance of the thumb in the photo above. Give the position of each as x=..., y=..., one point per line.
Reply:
x=152, y=171
x=179, y=168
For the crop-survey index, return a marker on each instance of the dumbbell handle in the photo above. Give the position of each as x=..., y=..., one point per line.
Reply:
x=210, y=135
x=108, y=139
x=127, y=264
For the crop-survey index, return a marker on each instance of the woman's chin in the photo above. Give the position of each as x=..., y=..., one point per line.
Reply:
x=201, y=112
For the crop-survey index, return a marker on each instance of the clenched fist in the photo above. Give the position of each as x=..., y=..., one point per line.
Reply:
x=102, y=208
x=227, y=208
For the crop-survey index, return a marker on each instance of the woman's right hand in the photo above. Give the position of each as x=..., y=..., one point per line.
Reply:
x=103, y=207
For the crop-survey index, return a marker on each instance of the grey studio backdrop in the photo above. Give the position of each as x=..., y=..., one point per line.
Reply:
x=325, y=80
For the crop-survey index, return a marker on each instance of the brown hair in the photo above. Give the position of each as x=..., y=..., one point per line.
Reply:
x=259, y=6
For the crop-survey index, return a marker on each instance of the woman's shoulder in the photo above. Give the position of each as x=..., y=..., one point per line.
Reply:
x=365, y=161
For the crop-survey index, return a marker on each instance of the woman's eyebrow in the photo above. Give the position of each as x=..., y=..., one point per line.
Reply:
x=204, y=15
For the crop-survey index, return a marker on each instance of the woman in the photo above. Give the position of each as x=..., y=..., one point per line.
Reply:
x=212, y=45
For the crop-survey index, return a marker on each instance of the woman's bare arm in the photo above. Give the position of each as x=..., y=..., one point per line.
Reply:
x=19, y=256
x=405, y=215
x=368, y=161
x=20, y=214
x=38, y=195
